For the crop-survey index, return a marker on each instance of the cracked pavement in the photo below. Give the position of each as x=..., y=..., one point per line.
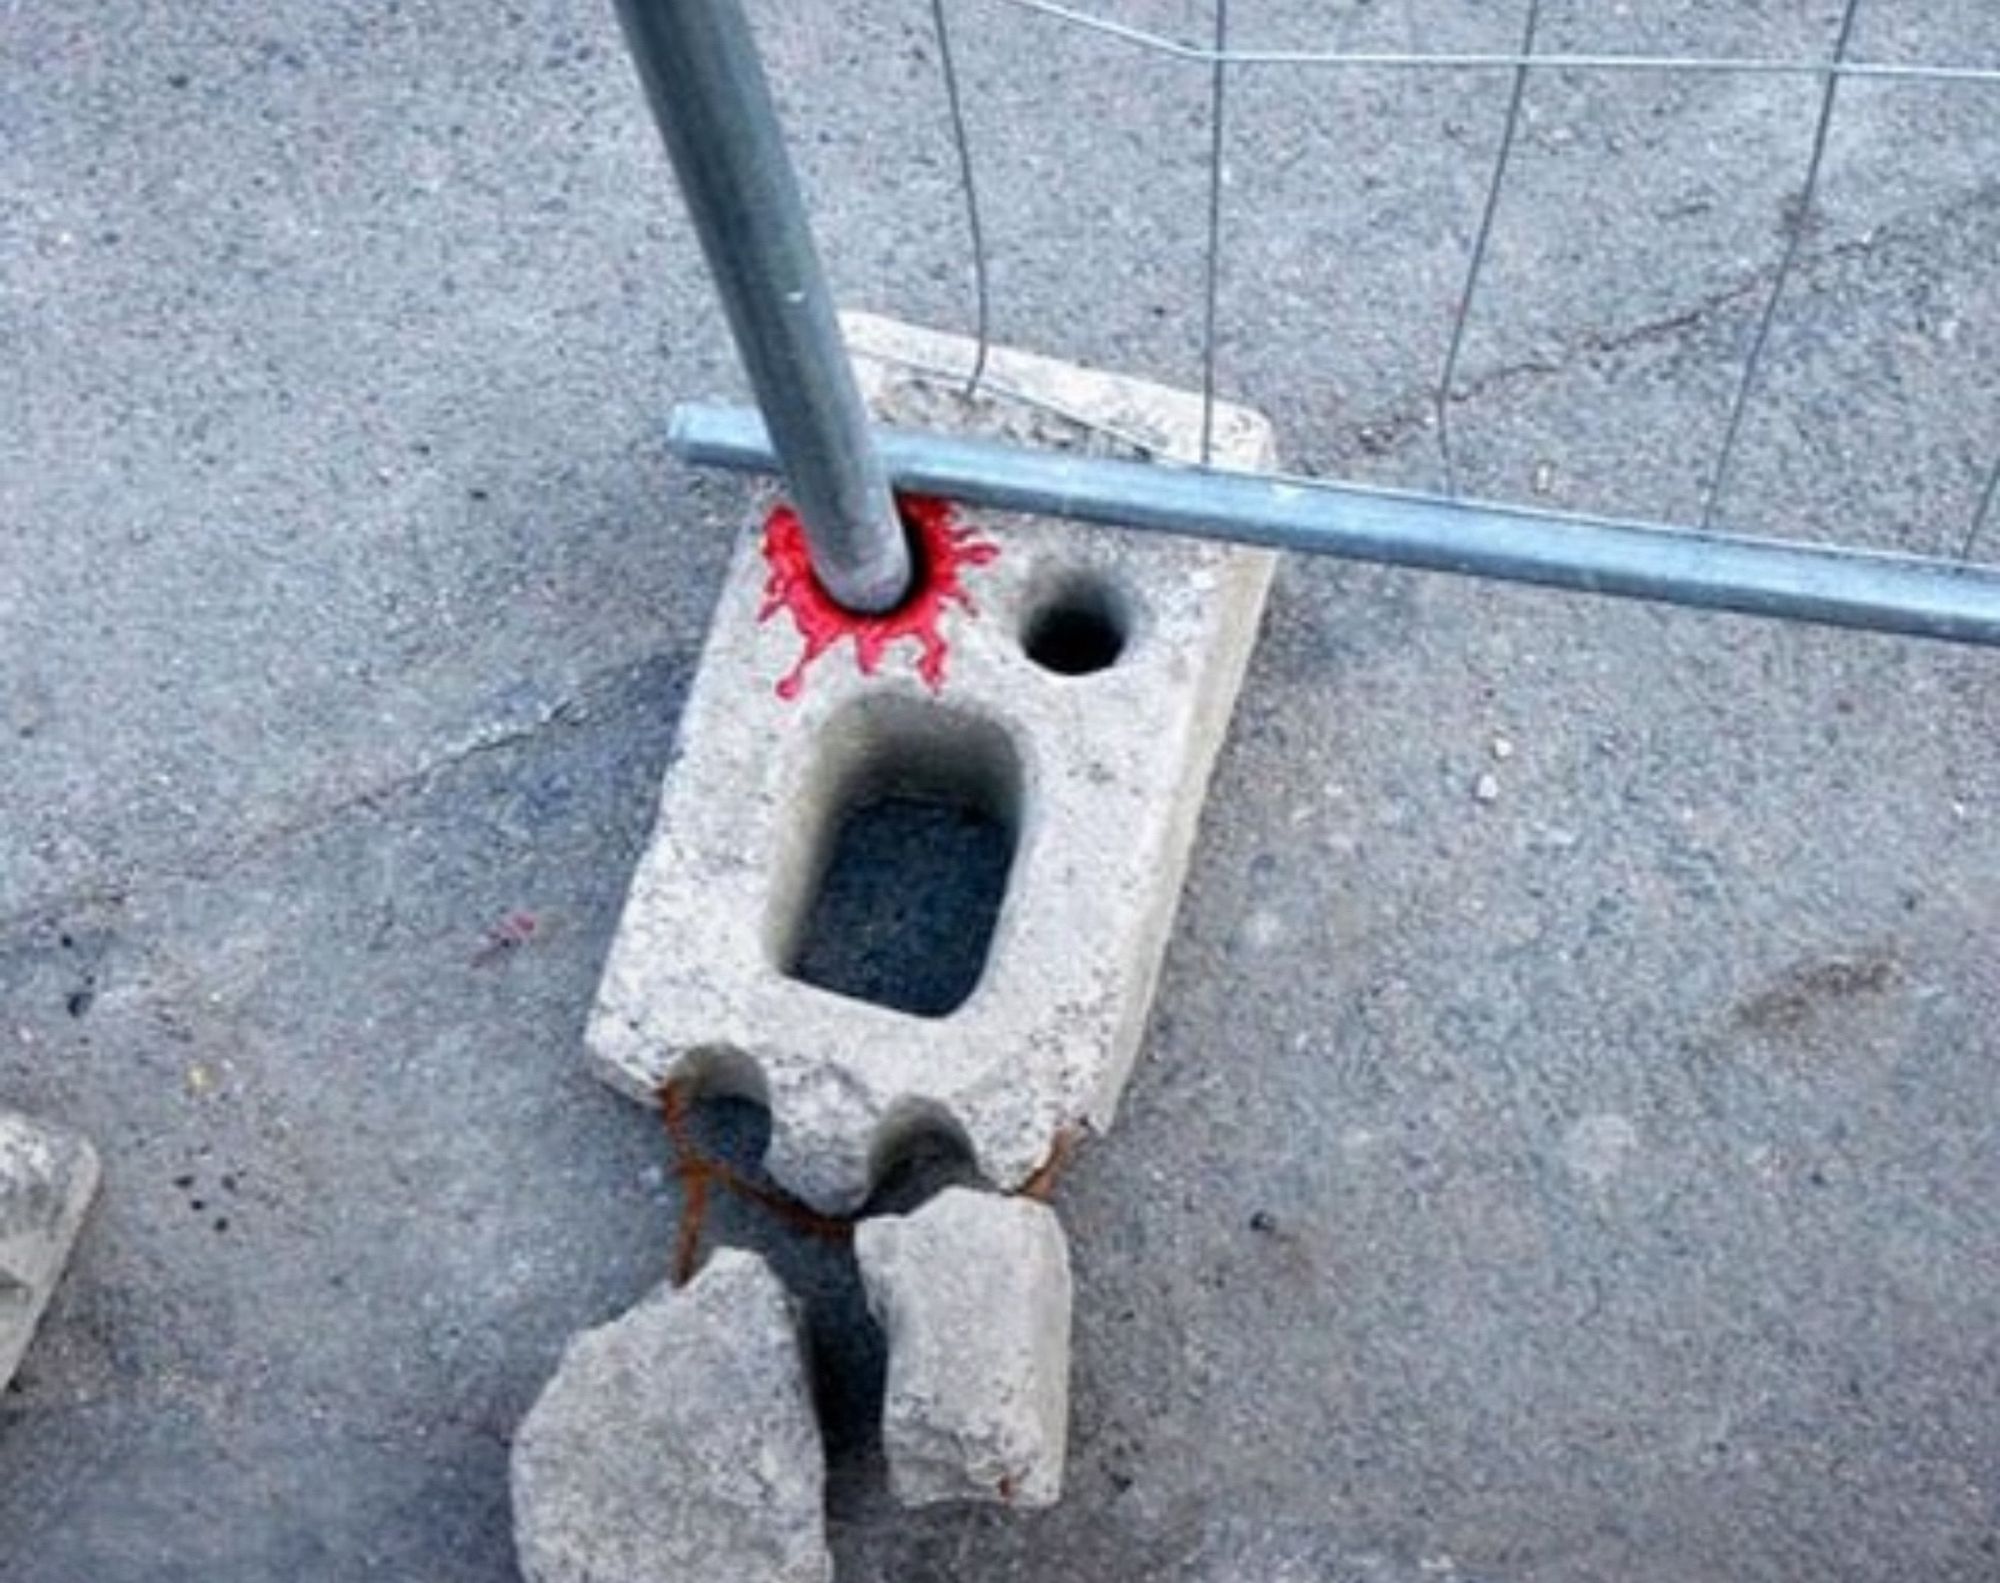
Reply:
x=1596, y=1179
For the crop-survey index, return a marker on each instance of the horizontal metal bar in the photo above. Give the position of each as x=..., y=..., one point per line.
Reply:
x=1905, y=594
x=1501, y=60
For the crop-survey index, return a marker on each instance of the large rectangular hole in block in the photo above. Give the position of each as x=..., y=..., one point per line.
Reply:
x=911, y=827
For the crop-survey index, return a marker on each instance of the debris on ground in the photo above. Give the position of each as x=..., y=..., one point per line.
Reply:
x=47, y=1180
x=973, y=1291
x=678, y=1441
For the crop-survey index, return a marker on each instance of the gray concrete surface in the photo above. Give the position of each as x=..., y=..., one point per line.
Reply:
x=1092, y=782
x=1596, y=1181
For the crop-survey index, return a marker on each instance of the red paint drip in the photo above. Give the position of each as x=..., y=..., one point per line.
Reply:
x=941, y=551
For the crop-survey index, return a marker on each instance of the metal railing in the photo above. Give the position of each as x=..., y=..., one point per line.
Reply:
x=718, y=122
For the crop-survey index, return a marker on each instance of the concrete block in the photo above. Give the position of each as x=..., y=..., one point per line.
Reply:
x=47, y=1180
x=1076, y=699
x=678, y=1442
x=973, y=1294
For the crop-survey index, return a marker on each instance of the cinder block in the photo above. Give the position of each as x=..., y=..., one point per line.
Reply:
x=973, y=1294
x=677, y=1441
x=1096, y=772
x=47, y=1180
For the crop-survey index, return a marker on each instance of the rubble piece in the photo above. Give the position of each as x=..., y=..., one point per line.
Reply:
x=678, y=1443
x=973, y=1291
x=47, y=1180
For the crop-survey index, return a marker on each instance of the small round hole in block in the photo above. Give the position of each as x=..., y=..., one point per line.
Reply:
x=1079, y=628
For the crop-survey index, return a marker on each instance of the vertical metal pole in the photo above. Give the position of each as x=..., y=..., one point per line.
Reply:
x=698, y=60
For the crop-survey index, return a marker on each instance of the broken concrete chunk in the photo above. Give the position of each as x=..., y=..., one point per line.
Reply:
x=47, y=1180
x=677, y=1443
x=973, y=1291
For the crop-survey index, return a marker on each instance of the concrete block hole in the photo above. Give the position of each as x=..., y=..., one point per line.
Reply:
x=1078, y=626
x=908, y=836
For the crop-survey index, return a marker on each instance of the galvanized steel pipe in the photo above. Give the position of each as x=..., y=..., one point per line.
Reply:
x=698, y=60
x=1905, y=594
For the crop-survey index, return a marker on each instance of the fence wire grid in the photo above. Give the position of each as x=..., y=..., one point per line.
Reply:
x=1225, y=53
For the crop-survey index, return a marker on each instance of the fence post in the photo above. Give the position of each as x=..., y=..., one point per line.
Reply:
x=698, y=61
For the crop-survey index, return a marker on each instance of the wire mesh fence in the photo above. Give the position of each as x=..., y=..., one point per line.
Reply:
x=1714, y=265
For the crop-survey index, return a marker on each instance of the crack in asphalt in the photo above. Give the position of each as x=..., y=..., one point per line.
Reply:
x=1415, y=415
x=581, y=706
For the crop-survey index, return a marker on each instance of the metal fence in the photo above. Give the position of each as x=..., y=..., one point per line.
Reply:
x=711, y=101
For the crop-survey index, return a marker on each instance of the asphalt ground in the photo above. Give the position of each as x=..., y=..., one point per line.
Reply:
x=1565, y=1147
